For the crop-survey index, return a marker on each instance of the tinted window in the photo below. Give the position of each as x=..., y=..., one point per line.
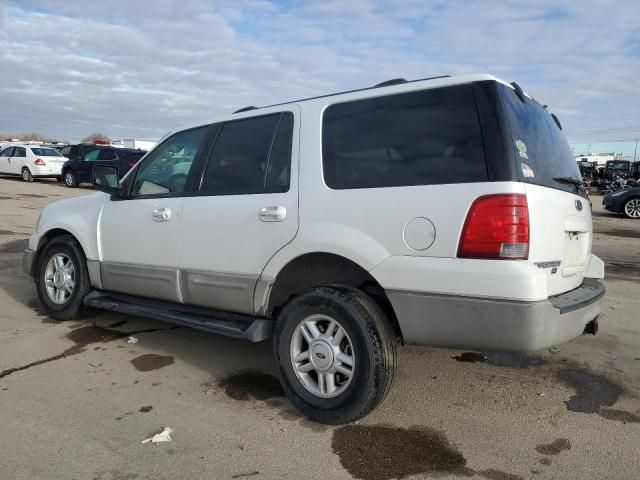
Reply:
x=74, y=152
x=7, y=152
x=165, y=170
x=107, y=154
x=46, y=152
x=19, y=152
x=539, y=146
x=417, y=138
x=240, y=159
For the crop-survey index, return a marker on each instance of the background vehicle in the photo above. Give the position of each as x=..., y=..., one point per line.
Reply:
x=31, y=162
x=616, y=167
x=338, y=259
x=625, y=201
x=84, y=157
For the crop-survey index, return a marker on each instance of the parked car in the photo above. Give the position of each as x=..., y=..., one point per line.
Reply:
x=29, y=162
x=445, y=212
x=616, y=167
x=623, y=201
x=84, y=157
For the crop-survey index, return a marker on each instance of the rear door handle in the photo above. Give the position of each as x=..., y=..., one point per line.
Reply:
x=161, y=214
x=273, y=214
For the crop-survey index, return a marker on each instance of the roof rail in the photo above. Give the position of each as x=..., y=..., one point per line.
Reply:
x=246, y=109
x=393, y=81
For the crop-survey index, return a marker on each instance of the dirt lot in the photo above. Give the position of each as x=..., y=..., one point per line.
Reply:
x=76, y=399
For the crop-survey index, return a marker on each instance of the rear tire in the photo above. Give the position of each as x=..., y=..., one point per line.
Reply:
x=62, y=278
x=26, y=175
x=632, y=208
x=70, y=179
x=318, y=333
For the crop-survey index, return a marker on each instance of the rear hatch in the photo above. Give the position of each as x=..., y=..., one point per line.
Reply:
x=50, y=156
x=559, y=212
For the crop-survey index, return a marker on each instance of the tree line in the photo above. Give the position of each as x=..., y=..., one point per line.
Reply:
x=38, y=137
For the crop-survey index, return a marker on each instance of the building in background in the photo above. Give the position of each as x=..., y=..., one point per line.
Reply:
x=134, y=143
x=600, y=159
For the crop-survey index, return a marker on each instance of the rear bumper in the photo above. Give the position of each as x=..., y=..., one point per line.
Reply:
x=496, y=325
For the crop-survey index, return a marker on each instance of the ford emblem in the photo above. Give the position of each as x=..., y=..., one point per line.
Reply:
x=578, y=205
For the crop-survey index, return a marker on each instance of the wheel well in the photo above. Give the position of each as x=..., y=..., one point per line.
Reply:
x=46, y=238
x=325, y=269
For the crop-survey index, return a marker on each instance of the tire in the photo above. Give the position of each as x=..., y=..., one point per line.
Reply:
x=70, y=179
x=368, y=338
x=63, y=247
x=631, y=208
x=26, y=175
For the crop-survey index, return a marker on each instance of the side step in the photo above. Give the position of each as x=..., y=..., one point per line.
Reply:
x=234, y=325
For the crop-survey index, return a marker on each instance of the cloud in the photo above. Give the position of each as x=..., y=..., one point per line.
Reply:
x=138, y=69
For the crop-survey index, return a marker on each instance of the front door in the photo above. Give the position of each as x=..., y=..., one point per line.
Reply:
x=139, y=234
x=246, y=210
x=4, y=160
x=17, y=160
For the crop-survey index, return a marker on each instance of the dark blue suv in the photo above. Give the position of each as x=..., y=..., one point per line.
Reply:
x=82, y=158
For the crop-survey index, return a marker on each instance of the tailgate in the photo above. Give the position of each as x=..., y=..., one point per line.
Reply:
x=560, y=236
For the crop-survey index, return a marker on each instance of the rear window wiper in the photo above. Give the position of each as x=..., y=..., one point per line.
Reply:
x=569, y=180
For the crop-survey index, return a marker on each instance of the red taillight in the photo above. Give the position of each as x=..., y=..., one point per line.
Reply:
x=40, y=162
x=497, y=227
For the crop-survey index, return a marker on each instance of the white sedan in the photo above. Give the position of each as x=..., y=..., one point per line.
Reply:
x=31, y=161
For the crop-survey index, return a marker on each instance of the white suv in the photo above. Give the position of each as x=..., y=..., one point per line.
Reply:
x=444, y=212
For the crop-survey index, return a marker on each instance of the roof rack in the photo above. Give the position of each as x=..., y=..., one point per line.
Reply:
x=245, y=109
x=393, y=81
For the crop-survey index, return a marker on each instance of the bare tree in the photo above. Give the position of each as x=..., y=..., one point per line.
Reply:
x=96, y=136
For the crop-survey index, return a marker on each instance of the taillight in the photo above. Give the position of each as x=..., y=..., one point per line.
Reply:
x=40, y=162
x=497, y=227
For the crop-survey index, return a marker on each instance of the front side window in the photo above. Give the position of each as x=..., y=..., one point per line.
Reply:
x=417, y=138
x=251, y=156
x=166, y=168
x=6, y=152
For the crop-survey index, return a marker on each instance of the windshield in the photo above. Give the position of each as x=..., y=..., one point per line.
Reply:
x=623, y=165
x=46, y=152
x=540, y=148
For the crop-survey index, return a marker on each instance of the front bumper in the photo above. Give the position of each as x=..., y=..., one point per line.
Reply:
x=28, y=262
x=496, y=325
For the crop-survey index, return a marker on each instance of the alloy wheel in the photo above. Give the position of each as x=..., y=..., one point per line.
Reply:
x=632, y=208
x=60, y=278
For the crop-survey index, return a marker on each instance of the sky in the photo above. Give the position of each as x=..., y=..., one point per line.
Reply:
x=139, y=68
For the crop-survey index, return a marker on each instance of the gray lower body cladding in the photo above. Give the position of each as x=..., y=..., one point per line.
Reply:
x=495, y=325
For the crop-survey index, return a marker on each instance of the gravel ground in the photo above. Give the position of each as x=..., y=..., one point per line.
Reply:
x=76, y=399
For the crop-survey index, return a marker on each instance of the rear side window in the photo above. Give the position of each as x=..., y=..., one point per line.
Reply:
x=251, y=156
x=19, y=152
x=541, y=150
x=7, y=152
x=107, y=154
x=418, y=138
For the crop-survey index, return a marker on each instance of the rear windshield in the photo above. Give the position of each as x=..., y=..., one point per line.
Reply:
x=540, y=148
x=622, y=165
x=46, y=152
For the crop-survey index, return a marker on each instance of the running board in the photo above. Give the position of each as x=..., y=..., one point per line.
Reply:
x=233, y=325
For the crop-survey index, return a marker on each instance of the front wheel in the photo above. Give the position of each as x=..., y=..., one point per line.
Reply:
x=632, y=207
x=336, y=352
x=62, y=279
x=26, y=175
x=70, y=179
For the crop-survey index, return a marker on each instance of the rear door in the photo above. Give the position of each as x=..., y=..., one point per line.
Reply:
x=247, y=210
x=559, y=213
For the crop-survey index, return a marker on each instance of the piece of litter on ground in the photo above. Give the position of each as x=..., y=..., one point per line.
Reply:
x=163, y=436
x=248, y=474
x=132, y=340
x=554, y=349
x=541, y=394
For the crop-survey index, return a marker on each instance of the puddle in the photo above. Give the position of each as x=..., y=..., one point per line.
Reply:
x=15, y=246
x=592, y=391
x=499, y=359
x=619, y=415
x=554, y=448
x=371, y=452
x=151, y=361
x=93, y=334
x=251, y=385
x=146, y=409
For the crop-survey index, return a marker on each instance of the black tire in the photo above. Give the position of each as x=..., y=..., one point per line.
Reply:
x=73, y=307
x=374, y=351
x=70, y=179
x=26, y=175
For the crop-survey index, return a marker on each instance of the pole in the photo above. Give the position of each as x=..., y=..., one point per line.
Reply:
x=635, y=151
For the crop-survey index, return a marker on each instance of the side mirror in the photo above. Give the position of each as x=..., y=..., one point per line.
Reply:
x=105, y=179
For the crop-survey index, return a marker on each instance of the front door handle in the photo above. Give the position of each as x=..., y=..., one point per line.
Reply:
x=273, y=214
x=161, y=214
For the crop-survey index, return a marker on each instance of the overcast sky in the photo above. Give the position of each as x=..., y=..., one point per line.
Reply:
x=139, y=68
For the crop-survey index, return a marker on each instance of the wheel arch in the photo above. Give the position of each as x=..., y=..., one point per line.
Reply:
x=50, y=235
x=315, y=269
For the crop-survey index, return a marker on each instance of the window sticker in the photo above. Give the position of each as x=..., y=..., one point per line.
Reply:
x=522, y=148
x=526, y=171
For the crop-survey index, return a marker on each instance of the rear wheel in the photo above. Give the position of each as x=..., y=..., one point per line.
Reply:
x=336, y=352
x=26, y=175
x=62, y=279
x=70, y=179
x=632, y=207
